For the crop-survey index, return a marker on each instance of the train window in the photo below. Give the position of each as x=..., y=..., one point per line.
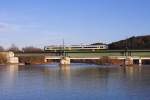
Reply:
x=76, y=47
x=90, y=47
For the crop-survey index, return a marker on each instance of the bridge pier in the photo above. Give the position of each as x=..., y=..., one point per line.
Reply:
x=45, y=60
x=65, y=61
x=129, y=61
x=140, y=61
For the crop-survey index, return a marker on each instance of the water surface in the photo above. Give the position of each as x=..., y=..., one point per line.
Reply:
x=74, y=82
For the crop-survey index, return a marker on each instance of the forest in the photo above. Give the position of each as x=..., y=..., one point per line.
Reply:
x=134, y=42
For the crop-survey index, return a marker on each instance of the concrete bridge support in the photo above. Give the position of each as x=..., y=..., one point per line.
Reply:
x=10, y=57
x=45, y=60
x=129, y=61
x=140, y=61
x=65, y=61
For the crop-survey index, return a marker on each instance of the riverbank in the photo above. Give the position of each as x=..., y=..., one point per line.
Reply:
x=32, y=59
x=104, y=60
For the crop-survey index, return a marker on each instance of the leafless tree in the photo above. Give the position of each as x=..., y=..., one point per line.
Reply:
x=13, y=48
x=31, y=49
x=1, y=49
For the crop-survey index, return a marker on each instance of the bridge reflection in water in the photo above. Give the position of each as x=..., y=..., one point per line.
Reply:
x=66, y=71
x=76, y=80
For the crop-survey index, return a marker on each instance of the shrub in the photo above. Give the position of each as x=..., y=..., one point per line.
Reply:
x=31, y=59
x=3, y=59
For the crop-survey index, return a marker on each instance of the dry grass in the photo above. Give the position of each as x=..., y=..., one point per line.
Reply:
x=104, y=60
x=107, y=60
x=3, y=59
x=31, y=59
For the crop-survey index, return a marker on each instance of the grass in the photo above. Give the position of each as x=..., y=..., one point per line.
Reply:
x=3, y=59
x=31, y=59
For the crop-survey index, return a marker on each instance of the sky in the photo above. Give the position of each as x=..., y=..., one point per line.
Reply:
x=47, y=22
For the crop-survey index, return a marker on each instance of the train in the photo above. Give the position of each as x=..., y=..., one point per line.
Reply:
x=75, y=47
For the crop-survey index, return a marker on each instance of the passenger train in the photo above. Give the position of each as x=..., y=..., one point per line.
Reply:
x=76, y=47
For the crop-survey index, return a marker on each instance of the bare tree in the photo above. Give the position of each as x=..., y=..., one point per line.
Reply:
x=1, y=49
x=31, y=49
x=13, y=48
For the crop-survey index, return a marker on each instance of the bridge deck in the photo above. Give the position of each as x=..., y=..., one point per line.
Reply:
x=58, y=57
x=112, y=57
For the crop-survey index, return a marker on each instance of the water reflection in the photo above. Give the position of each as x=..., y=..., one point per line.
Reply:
x=131, y=71
x=8, y=75
x=12, y=71
x=81, y=81
x=64, y=70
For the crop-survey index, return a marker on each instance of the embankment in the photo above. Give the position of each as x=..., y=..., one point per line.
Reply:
x=3, y=59
x=102, y=61
x=31, y=59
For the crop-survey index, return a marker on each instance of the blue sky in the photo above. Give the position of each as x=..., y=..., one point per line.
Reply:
x=46, y=22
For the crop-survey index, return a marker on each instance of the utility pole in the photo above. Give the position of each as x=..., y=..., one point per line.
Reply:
x=126, y=48
x=63, y=48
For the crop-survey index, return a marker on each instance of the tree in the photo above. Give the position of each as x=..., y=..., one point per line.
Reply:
x=98, y=44
x=31, y=49
x=138, y=42
x=1, y=49
x=13, y=48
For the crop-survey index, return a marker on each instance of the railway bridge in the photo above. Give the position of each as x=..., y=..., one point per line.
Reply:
x=65, y=57
x=67, y=60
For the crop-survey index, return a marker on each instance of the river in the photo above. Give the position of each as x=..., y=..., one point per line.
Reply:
x=74, y=82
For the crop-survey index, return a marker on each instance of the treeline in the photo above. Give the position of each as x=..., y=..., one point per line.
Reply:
x=134, y=42
x=139, y=42
x=105, y=60
x=23, y=59
x=14, y=48
x=98, y=44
